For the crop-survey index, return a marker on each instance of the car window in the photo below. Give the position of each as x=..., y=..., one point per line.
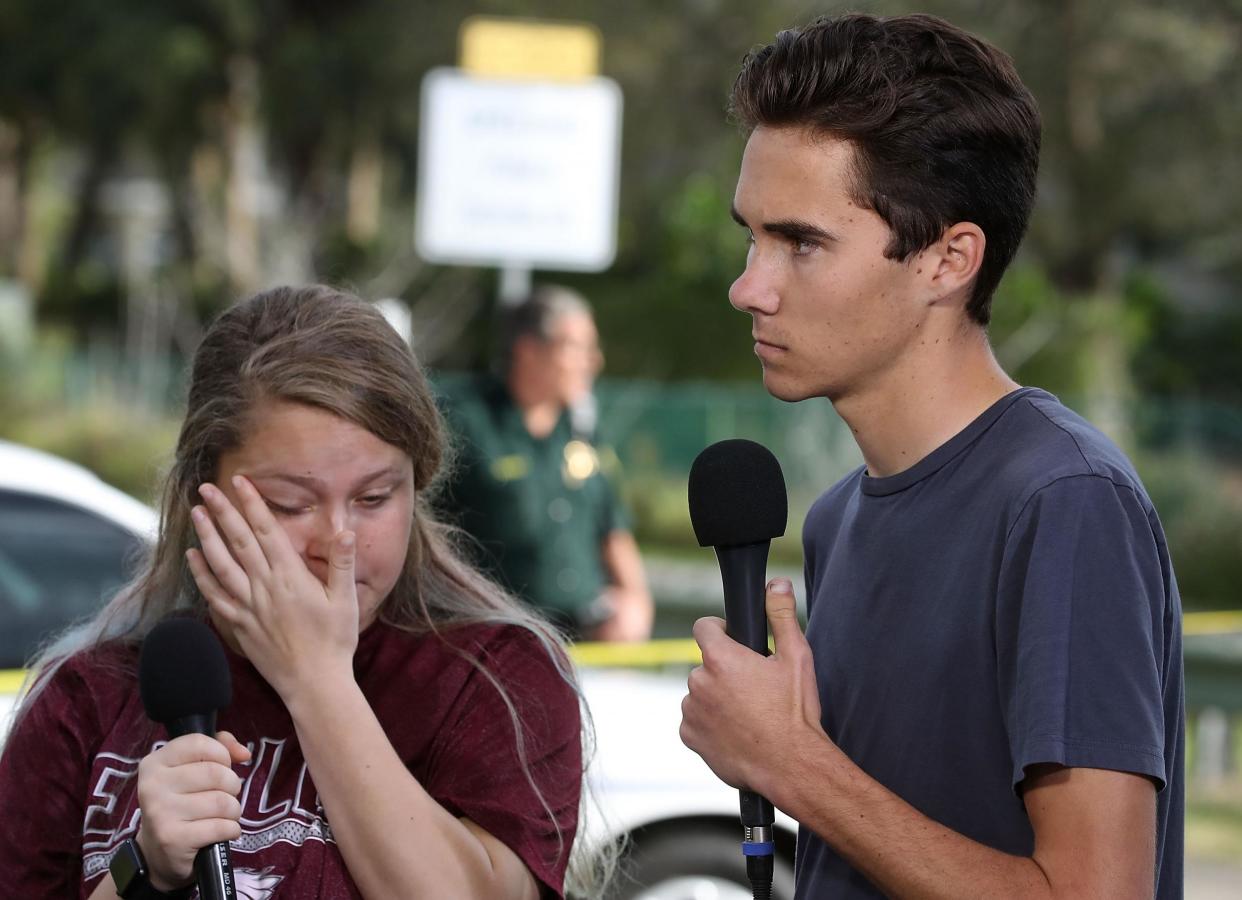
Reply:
x=58, y=563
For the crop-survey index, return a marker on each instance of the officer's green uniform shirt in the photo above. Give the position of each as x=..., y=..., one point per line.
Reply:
x=540, y=507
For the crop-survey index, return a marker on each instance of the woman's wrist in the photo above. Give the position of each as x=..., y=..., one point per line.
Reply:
x=157, y=875
x=308, y=693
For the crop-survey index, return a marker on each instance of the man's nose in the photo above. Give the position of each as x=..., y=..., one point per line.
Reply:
x=754, y=291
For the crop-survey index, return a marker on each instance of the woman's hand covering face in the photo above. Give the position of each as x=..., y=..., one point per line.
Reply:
x=287, y=622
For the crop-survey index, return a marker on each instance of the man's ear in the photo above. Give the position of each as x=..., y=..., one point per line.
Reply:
x=952, y=263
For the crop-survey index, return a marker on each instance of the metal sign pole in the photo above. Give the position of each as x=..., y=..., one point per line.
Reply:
x=515, y=283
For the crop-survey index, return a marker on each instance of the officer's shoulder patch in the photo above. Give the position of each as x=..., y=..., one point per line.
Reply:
x=510, y=467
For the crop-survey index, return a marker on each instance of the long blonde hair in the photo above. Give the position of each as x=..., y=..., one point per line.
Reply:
x=329, y=349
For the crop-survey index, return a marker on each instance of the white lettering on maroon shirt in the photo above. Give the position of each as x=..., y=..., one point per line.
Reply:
x=266, y=818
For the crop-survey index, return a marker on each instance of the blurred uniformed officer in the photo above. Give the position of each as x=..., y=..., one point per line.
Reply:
x=532, y=485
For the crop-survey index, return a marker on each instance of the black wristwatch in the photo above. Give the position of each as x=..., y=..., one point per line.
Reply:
x=132, y=878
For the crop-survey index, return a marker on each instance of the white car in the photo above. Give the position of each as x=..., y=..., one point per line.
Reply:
x=66, y=538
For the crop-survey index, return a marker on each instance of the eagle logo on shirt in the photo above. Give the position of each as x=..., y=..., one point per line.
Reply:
x=256, y=884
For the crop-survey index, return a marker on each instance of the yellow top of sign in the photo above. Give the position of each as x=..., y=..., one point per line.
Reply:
x=526, y=48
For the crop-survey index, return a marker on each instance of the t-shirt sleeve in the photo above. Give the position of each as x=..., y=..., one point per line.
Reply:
x=43, y=774
x=1078, y=631
x=528, y=799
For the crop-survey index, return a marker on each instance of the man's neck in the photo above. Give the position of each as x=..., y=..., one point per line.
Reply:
x=540, y=412
x=917, y=406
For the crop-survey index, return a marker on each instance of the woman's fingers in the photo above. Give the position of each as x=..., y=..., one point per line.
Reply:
x=205, y=832
x=341, y=585
x=220, y=562
x=192, y=762
x=233, y=535
x=220, y=600
x=202, y=806
x=267, y=532
x=174, y=840
x=174, y=805
x=204, y=777
x=188, y=794
x=191, y=748
x=238, y=751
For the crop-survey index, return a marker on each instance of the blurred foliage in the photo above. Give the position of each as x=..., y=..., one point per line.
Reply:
x=127, y=451
x=279, y=140
x=1214, y=822
x=106, y=431
x=1199, y=503
x=658, y=504
x=298, y=121
x=1200, y=507
x=680, y=293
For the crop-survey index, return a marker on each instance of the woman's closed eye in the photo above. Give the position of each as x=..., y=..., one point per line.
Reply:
x=282, y=510
x=370, y=501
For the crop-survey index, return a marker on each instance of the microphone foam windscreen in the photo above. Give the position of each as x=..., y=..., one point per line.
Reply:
x=737, y=495
x=182, y=671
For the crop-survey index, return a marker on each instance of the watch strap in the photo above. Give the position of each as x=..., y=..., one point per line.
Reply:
x=131, y=876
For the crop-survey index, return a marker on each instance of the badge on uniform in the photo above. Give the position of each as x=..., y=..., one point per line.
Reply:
x=581, y=462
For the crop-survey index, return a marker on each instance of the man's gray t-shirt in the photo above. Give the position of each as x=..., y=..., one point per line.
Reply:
x=1006, y=601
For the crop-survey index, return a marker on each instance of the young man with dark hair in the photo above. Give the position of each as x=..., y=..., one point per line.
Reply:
x=987, y=701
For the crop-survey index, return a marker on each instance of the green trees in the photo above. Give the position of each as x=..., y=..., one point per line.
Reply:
x=283, y=135
x=158, y=160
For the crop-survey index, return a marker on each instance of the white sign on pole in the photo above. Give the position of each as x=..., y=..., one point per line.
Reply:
x=518, y=173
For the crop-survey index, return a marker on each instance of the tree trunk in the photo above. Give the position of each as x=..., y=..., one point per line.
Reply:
x=365, y=191
x=244, y=150
x=12, y=199
x=1109, y=385
x=86, y=206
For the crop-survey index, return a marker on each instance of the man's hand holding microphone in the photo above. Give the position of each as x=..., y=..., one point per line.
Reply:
x=746, y=714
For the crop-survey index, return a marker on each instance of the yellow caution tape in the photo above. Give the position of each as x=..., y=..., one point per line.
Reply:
x=654, y=654
x=11, y=680
x=645, y=655
x=685, y=652
x=1212, y=622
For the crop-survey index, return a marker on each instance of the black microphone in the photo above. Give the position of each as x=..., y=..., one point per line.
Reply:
x=737, y=505
x=183, y=677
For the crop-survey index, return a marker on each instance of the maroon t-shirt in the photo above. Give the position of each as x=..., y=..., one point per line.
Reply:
x=68, y=785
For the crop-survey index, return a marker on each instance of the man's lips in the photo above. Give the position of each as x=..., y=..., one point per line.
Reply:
x=767, y=343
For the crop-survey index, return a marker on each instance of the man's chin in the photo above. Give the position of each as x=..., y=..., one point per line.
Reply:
x=784, y=388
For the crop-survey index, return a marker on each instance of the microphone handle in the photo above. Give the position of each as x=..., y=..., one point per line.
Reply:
x=195, y=723
x=743, y=571
x=213, y=865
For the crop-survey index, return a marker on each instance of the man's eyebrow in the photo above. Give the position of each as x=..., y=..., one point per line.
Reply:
x=799, y=230
x=310, y=482
x=794, y=229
